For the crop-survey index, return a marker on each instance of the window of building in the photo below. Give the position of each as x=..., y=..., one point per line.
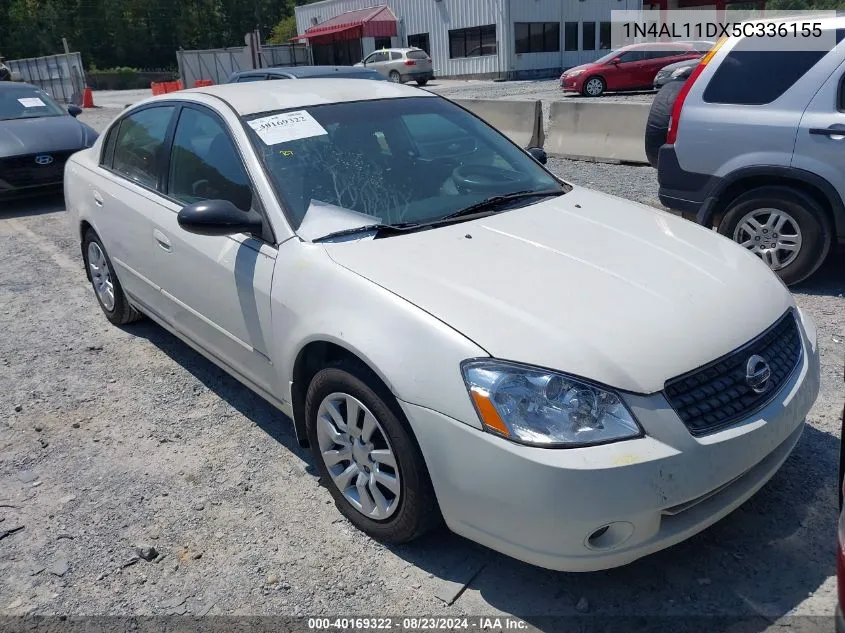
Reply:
x=604, y=35
x=420, y=40
x=570, y=36
x=474, y=42
x=382, y=42
x=588, y=36
x=537, y=37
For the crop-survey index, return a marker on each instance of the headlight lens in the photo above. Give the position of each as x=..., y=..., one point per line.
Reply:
x=679, y=72
x=544, y=408
x=573, y=73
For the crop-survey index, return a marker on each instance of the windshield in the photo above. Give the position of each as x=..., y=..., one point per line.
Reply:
x=26, y=102
x=396, y=161
x=607, y=58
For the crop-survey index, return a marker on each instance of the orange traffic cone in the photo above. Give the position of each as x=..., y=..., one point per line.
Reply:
x=88, y=98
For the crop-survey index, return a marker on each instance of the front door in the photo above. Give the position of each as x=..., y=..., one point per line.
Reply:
x=379, y=61
x=217, y=289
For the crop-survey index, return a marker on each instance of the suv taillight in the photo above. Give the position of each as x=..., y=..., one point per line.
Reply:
x=672, y=134
x=410, y=62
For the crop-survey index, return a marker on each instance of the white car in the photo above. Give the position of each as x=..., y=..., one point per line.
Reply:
x=564, y=376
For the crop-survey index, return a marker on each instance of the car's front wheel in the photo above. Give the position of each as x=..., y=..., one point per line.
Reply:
x=367, y=457
x=785, y=227
x=106, y=286
x=593, y=87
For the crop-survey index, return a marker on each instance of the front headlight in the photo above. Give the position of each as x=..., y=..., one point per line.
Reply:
x=679, y=72
x=545, y=408
x=573, y=73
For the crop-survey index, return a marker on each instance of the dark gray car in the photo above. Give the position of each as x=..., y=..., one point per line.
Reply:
x=304, y=72
x=37, y=136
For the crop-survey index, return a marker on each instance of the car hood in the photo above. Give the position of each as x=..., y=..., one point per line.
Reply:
x=581, y=67
x=687, y=63
x=44, y=134
x=585, y=283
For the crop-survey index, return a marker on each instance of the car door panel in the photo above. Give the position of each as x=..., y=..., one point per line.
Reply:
x=818, y=148
x=223, y=305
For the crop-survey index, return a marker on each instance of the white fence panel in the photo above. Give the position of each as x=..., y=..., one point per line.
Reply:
x=60, y=76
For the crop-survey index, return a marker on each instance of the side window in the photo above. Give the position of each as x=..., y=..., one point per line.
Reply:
x=108, y=150
x=750, y=76
x=394, y=56
x=137, y=150
x=245, y=78
x=204, y=164
x=631, y=56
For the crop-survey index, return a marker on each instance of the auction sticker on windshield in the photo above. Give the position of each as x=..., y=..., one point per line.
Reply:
x=31, y=102
x=289, y=126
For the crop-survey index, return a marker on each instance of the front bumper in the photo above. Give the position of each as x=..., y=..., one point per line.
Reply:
x=543, y=505
x=571, y=84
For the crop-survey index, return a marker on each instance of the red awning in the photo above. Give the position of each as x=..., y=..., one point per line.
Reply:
x=372, y=22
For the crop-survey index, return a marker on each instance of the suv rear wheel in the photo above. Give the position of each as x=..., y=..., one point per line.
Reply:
x=783, y=226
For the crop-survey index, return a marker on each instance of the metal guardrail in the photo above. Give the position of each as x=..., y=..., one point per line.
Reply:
x=60, y=76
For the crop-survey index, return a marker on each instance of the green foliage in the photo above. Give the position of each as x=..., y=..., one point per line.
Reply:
x=125, y=34
x=283, y=31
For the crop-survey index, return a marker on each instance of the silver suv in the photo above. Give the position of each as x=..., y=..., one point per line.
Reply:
x=401, y=64
x=756, y=148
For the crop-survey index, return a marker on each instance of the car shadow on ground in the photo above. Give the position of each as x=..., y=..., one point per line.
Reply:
x=28, y=207
x=610, y=93
x=827, y=280
x=743, y=573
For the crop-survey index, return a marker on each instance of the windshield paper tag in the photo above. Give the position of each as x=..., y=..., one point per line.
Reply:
x=31, y=102
x=289, y=126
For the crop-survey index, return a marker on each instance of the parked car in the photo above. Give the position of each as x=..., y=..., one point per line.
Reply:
x=454, y=331
x=304, y=72
x=5, y=73
x=755, y=149
x=628, y=68
x=679, y=71
x=37, y=136
x=401, y=64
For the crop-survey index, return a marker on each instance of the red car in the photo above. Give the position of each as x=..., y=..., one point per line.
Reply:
x=629, y=68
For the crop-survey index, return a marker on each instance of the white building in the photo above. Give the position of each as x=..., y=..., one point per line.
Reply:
x=506, y=39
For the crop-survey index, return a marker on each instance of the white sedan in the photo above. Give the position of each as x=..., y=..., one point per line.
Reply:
x=566, y=377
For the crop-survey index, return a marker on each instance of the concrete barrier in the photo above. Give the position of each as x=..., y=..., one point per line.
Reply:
x=520, y=121
x=597, y=130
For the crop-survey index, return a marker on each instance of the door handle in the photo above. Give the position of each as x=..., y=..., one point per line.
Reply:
x=98, y=199
x=829, y=131
x=162, y=240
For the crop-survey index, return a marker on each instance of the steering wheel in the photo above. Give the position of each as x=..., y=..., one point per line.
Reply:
x=488, y=179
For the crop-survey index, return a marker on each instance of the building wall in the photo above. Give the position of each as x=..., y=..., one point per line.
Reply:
x=437, y=17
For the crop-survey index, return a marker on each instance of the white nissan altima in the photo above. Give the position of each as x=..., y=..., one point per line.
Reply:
x=564, y=376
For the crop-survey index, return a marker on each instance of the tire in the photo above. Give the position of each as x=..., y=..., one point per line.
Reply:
x=415, y=510
x=422, y=82
x=805, y=218
x=657, y=125
x=119, y=311
x=599, y=83
x=395, y=77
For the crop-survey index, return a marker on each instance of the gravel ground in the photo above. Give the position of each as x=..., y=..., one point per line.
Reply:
x=116, y=439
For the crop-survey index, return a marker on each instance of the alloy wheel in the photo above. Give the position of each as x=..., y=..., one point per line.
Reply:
x=100, y=276
x=771, y=234
x=358, y=456
x=594, y=87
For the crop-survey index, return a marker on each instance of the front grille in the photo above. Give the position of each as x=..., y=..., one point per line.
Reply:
x=23, y=171
x=717, y=395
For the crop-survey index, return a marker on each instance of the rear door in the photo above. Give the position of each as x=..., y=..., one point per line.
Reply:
x=820, y=144
x=126, y=195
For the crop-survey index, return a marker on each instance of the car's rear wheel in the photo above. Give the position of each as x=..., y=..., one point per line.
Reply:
x=593, y=87
x=106, y=286
x=395, y=77
x=785, y=227
x=367, y=457
x=422, y=82
x=657, y=125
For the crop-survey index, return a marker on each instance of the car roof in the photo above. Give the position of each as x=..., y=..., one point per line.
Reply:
x=656, y=45
x=265, y=96
x=398, y=50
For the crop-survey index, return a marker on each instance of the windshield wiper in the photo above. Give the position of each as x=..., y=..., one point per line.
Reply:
x=492, y=202
x=380, y=229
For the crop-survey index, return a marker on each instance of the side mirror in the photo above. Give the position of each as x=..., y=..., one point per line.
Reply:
x=74, y=110
x=615, y=61
x=538, y=154
x=218, y=217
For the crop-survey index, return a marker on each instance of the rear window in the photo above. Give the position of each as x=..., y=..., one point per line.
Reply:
x=750, y=76
x=417, y=55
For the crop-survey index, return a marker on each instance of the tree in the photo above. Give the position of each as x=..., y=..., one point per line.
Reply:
x=283, y=31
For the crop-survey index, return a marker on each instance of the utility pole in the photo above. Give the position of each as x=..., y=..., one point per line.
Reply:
x=67, y=48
